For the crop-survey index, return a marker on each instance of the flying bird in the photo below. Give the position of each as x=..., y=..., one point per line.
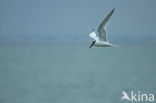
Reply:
x=101, y=40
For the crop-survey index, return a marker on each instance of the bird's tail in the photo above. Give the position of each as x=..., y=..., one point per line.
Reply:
x=113, y=45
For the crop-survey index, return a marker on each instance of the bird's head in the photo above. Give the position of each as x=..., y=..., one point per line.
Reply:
x=92, y=30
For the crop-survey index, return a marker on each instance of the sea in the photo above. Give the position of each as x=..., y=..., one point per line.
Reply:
x=73, y=73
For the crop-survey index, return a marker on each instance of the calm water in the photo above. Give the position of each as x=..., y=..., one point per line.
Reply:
x=49, y=73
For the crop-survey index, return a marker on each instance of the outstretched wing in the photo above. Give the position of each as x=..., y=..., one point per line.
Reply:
x=101, y=30
x=93, y=35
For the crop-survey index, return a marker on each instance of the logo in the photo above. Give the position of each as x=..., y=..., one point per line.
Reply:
x=137, y=96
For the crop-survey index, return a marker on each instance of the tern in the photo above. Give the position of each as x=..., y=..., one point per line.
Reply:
x=101, y=40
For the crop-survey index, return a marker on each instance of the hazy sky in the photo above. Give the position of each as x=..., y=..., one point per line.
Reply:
x=76, y=17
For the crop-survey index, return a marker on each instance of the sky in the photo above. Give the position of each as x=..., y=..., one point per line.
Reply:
x=65, y=18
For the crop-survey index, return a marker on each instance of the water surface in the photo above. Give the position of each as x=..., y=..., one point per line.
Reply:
x=57, y=73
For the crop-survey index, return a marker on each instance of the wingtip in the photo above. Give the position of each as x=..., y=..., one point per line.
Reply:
x=113, y=9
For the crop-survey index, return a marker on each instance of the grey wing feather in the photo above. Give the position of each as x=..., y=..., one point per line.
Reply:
x=102, y=35
x=101, y=30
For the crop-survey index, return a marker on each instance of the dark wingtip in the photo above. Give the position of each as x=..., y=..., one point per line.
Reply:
x=113, y=10
x=91, y=44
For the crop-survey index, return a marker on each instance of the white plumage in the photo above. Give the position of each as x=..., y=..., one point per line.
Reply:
x=101, y=40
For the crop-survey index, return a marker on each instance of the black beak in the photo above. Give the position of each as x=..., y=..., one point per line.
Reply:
x=92, y=44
